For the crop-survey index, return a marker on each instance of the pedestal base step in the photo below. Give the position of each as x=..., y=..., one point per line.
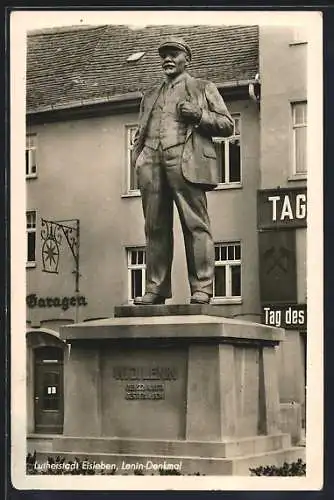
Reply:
x=123, y=464
x=229, y=448
x=140, y=456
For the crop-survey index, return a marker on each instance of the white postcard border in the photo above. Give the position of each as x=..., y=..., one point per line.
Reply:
x=20, y=22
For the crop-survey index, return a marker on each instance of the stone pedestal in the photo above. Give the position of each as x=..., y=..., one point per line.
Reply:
x=175, y=381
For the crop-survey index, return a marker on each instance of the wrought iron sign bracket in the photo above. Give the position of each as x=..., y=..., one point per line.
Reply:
x=52, y=234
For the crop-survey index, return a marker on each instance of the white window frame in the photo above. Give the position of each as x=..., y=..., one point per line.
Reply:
x=131, y=267
x=129, y=129
x=296, y=126
x=227, y=140
x=29, y=230
x=228, y=263
x=31, y=148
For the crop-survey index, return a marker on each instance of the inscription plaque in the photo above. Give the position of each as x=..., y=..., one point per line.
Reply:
x=145, y=390
x=144, y=373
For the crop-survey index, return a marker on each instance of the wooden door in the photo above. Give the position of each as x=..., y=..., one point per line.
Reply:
x=49, y=391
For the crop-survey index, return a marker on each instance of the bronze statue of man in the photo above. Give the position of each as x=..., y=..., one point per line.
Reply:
x=175, y=160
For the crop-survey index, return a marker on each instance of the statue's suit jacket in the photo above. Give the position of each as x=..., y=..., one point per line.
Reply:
x=199, y=163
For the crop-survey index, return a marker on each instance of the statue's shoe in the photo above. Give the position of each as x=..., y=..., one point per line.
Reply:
x=149, y=299
x=200, y=298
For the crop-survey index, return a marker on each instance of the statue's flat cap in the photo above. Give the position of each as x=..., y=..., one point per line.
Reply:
x=175, y=43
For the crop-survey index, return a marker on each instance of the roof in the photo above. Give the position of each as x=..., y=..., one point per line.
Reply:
x=67, y=67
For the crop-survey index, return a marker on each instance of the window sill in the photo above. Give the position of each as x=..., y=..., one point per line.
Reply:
x=131, y=194
x=297, y=177
x=298, y=42
x=214, y=300
x=30, y=264
x=222, y=187
x=31, y=176
x=226, y=300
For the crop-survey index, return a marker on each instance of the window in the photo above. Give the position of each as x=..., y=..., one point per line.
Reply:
x=135, y=57
x=228, y=155
x=51, y=392
x=300, y=34
x=31, y=163
x=136, y=272
x=131, y=173
x=227, y=282
x=299, y=130
x=31, y=237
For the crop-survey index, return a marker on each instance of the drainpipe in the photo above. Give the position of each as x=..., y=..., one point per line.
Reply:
x=254, y=89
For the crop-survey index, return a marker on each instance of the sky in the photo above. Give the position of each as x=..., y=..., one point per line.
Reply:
x=34, y=19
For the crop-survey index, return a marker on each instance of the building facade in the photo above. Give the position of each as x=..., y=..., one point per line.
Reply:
x=283, y=202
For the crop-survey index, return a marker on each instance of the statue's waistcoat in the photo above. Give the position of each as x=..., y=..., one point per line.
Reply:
x=165, y=128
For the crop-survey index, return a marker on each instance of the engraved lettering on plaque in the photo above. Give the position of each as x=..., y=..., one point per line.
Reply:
x=144, y=390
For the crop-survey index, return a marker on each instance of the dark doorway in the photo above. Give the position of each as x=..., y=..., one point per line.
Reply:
x=49, y=390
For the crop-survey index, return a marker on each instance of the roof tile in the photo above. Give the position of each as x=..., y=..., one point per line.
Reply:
x=66, y=66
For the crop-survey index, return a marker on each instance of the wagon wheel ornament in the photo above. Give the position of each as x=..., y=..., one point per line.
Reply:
x=50, y=255
x=54, y=234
